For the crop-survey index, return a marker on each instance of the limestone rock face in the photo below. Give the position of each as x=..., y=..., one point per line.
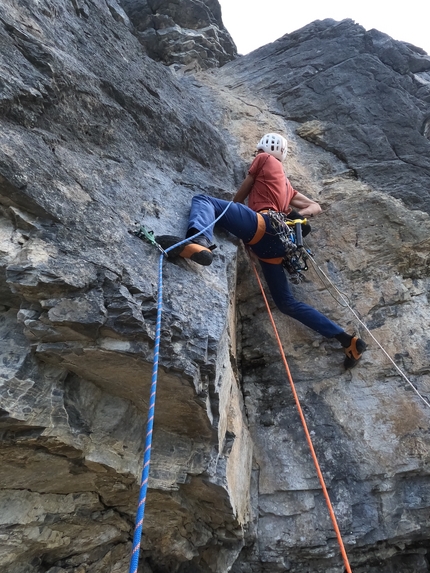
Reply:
x=362, y=96
x=182, y=33
x=94, y=136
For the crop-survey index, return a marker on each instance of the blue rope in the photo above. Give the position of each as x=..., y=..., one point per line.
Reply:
x=134, y=561
x=149, y=425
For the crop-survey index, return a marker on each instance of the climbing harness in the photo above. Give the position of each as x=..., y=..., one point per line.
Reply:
x=149, y=236
x=290, y=234
x=305, y=428
x=346, y=304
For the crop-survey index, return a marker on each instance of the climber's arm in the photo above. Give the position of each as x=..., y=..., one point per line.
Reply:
x=305, y=206
x=244, y=190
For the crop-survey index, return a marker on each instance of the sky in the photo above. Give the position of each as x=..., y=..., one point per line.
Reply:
x=254, y=23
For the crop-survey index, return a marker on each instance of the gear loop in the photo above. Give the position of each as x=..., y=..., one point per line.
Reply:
x=295, y=258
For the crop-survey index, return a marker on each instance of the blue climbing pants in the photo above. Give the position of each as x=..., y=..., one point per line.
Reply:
x=241, y=221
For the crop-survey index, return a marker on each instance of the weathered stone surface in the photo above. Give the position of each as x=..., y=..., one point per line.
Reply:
x=93, y=139
x=182, y=33
x=370, y=430
x=95, y=135
x=360, y=95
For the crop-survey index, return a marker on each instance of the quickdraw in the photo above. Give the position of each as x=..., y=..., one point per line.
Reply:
x=142, y=232
x=290, y=233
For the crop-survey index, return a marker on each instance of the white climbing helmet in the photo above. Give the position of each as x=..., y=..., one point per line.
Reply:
x=274, y=144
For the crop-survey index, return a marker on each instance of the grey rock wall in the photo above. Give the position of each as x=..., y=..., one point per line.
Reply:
x=182, y=33
x=95, y=136
x=370, y=430
x=362, y=96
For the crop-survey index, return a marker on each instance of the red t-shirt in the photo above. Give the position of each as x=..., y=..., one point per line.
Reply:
x=271, y=189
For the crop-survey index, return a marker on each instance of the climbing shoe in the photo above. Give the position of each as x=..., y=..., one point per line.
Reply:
x=198, y=250
x=354, y=352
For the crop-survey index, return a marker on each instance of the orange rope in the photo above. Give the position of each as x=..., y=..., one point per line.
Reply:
x=305, y=427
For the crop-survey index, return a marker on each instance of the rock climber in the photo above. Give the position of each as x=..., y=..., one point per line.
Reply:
x=267, y=188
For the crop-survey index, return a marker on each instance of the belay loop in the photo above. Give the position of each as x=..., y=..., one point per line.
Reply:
x=290, y=233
